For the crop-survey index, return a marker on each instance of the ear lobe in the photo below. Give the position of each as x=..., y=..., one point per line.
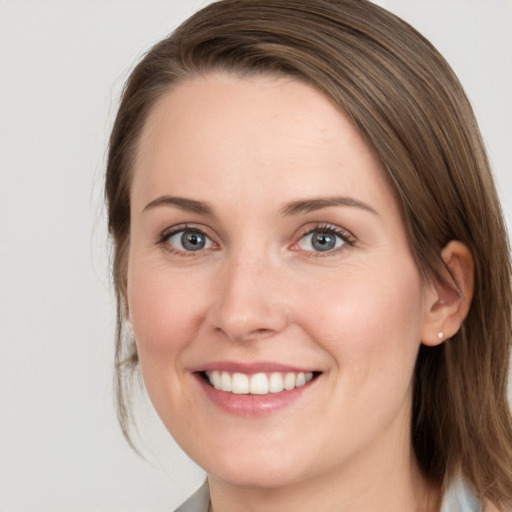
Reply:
x=449, y=298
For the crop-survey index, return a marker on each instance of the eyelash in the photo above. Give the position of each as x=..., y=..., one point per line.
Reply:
x=163, y=238
x=344, y=235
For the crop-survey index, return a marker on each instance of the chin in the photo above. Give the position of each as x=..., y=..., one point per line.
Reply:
x=254, y=478
x=251, y=470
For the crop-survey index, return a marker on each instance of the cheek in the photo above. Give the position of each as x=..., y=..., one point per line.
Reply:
x=367, y=319
x=370, y=325
x=165, y=311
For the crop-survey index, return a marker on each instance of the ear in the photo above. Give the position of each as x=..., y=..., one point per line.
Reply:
x=449, y=297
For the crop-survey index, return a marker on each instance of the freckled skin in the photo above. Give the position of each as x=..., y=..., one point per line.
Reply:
x=260, y=292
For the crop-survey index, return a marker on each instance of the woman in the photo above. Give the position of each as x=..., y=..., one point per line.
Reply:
x=312, y=263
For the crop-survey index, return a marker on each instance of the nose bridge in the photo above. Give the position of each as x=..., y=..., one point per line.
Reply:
x=250, y=302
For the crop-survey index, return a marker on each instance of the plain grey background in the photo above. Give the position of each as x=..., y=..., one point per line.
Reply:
x=62, y=66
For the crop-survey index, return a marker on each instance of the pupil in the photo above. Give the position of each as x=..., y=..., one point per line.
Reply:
x=323, y=241
x=192, y=241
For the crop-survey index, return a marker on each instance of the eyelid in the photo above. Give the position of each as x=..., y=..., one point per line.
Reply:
x=348, y=238
x=164, y=236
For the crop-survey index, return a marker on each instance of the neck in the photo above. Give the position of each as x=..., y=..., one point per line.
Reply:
x=416, y=494
x=387, y=479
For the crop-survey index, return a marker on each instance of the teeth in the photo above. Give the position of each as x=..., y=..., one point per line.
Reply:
x=301, y=380
x=216, y=380
x=289, y=381
x=258, y=383
x=225, y=381
x=275, y=384
x=240, y=384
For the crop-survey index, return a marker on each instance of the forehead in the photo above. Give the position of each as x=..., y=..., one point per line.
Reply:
x=220, y=131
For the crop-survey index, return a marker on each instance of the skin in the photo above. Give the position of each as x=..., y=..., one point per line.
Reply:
x=259, y=291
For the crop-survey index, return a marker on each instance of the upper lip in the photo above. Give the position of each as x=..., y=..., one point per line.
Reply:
x=249, y=368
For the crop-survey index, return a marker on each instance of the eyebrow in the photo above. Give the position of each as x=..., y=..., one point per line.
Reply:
x=312, y=205
x=189, y=205
x=292, y=208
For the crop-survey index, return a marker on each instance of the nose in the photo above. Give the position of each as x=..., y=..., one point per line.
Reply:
x=251, y=302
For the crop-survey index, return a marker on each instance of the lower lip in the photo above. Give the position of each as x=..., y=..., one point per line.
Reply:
x=253, y=405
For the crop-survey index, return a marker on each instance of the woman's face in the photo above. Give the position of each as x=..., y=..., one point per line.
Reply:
x=268, y=257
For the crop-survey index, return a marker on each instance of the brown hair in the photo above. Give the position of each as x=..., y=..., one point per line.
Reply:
x=410, y=107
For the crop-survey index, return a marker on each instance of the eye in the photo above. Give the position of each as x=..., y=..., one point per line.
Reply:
x=188, y=240
x=323, y=239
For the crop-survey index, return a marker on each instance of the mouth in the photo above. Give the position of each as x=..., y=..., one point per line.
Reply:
x=254, y=389
x=260, y=383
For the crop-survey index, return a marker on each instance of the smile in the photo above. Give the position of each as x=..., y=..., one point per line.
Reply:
x=257, y=383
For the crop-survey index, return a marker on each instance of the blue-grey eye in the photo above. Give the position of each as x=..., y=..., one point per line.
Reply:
x=321, y=241
x=189, y=240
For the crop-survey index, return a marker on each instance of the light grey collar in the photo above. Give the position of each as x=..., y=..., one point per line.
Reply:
x=198, y=502
x=460, y=497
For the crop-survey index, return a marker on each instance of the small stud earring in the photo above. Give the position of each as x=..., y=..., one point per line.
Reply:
x=440, y=335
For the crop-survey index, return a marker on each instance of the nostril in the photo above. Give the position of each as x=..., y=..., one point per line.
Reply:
x=239, y=334
x=261, y=331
